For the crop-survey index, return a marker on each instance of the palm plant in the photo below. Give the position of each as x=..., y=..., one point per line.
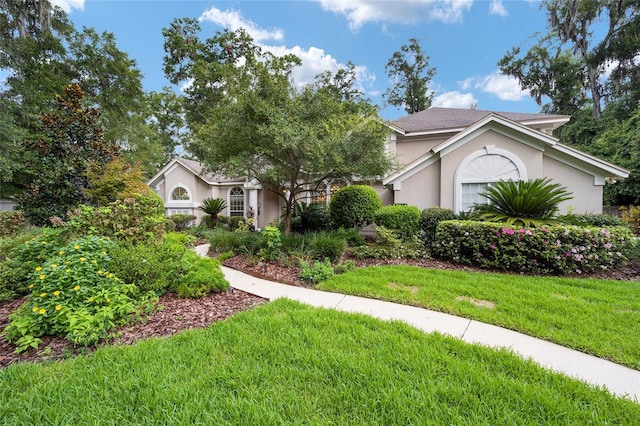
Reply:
x=529, y=203
x=213, y=207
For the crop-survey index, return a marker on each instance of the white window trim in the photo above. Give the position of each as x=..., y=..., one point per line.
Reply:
x=487, y=150
x=186, y=188
x=244, y=201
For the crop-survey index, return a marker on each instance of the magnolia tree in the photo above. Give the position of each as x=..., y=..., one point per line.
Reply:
x=248, y=118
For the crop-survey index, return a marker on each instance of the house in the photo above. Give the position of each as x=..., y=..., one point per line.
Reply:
x=448, y=157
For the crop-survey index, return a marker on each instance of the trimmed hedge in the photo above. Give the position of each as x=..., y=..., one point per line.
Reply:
x=552, y=250
x=353, y=206
x=429, y=220
x=403, y=220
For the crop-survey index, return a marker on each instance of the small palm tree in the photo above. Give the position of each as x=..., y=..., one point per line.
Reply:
x=213, y=207
x=525, y=203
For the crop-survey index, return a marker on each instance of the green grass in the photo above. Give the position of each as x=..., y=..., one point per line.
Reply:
x=287, y=363
x=600, y=317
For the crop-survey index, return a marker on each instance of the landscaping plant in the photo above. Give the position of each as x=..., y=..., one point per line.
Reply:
x=353, y=206
x=403, y=220
x=213, y=207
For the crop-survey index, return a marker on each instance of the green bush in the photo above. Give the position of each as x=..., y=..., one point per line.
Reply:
x=11, y=222
x=597, y=220
x=403, y=220
x=320, y=271
x=247, y=243
x=554, y=250
x=353, y=206
x=327, y=246
x=429, y=219
x=73, y=294
x=388, y=246
x=311, y=217
x=631, y=216
x=182, y=221
x=351, y=236
x=271, y=249
x=139, y=220
x=203, y=276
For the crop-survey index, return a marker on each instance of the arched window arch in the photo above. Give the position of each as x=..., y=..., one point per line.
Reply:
x=180, y=193
x=236, y=201
x=479, y=170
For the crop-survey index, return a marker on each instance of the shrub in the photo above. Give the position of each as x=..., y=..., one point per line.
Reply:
x=344, y=267
x=597, y=220
x=389, y=246
x=328, y=246
x=528, y=203
x=351, y=236
x=248, y=243
x=403, y=220
x=429, y=219
x=353, y=206
x=310, y=217
x=631, y=216
x=556, y=250
x=11, y=222
x=138, y=220
x=73, y=294
x=182, y=221
x=213, y=207
x=272, y=244
x=203, y=276
x=320, y=271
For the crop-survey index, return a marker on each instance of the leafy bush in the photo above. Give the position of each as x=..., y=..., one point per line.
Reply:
x=403, y=220
x=73, y=294
x=631, y=216
x=272, y=244
x=328, y=246
x=203, y=276
x=310, y=217
x=528, y=203
x=248, y=243
x=597, y=220
x=388, y=246
x=140, y=219
x=11, y=222
x=351, y=236
x=344, y=267
x=213, y=207
x=429, y=219
x=353, y=206
x=320, y=271
x=182, y=221
x=556, y=250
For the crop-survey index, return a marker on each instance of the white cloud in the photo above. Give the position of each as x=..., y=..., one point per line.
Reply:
x=232, y=20
x=497, y=8
x=504, y=87
x=360, y=12
x=454, y=100
x=466, y=83
x=67, y=5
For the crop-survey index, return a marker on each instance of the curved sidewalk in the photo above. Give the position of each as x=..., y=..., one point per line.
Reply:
x=619, y=380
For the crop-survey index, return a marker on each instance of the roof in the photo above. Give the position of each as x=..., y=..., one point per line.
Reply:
x=455, y=119
x=198, y=169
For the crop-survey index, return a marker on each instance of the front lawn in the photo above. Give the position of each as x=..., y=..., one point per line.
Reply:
x=600, y=317
x=287, y=363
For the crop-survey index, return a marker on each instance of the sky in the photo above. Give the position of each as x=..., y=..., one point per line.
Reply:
x=464, y=39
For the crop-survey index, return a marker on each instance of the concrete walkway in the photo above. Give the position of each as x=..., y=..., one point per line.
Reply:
x=619, y=380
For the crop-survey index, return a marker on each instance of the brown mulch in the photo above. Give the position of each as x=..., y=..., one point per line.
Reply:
x=174, y=314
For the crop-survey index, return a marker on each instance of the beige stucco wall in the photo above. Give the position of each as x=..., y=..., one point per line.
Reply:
x=269, y=208
x=422, y=189
x=531, y=157
x=587, y=197
x=407, y=150
x=386, y=195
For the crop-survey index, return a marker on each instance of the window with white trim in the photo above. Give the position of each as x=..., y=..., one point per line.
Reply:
x=180, y=193
x=236, y=201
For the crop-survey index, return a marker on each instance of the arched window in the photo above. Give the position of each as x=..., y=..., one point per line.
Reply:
x=236, y=201
x=476, y=172
x=180, y=193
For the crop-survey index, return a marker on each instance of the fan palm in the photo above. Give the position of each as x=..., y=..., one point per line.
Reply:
x=525, y=203
x=213, y=207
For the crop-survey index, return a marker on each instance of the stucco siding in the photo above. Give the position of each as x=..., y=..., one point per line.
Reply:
x=386, y=195
x=587, y=197
x=422, y=189
x=269, y=208
x=407, y=150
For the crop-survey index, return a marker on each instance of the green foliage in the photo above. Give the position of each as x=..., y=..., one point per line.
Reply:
x=530, y=203
x=113, y=181
x=11, y=222
x=212, y=207
x=588, y=219
x=353, y=206
x=344, y=267
x=403, y=220
x=320, y=271
x=429, y=219
x=311, y=217
x=388, y=246
x=203, y=276
x=139, y=219
x=272, y=243
x=182, y=221
x=73, y=294
x=553, y=250
x=327, y=245
x=631, y=216
x=249, y=243
x=72, y=137
x=409, y=70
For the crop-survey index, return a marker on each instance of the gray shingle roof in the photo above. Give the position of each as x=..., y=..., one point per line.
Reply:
x=454, y=118
x=200, y=170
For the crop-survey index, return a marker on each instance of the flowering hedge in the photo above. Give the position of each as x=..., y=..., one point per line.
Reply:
x=552, y=250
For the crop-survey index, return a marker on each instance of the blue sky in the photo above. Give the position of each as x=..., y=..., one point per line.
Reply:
x=464, y=39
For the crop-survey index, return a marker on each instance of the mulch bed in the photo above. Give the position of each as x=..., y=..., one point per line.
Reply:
x=175, y=314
